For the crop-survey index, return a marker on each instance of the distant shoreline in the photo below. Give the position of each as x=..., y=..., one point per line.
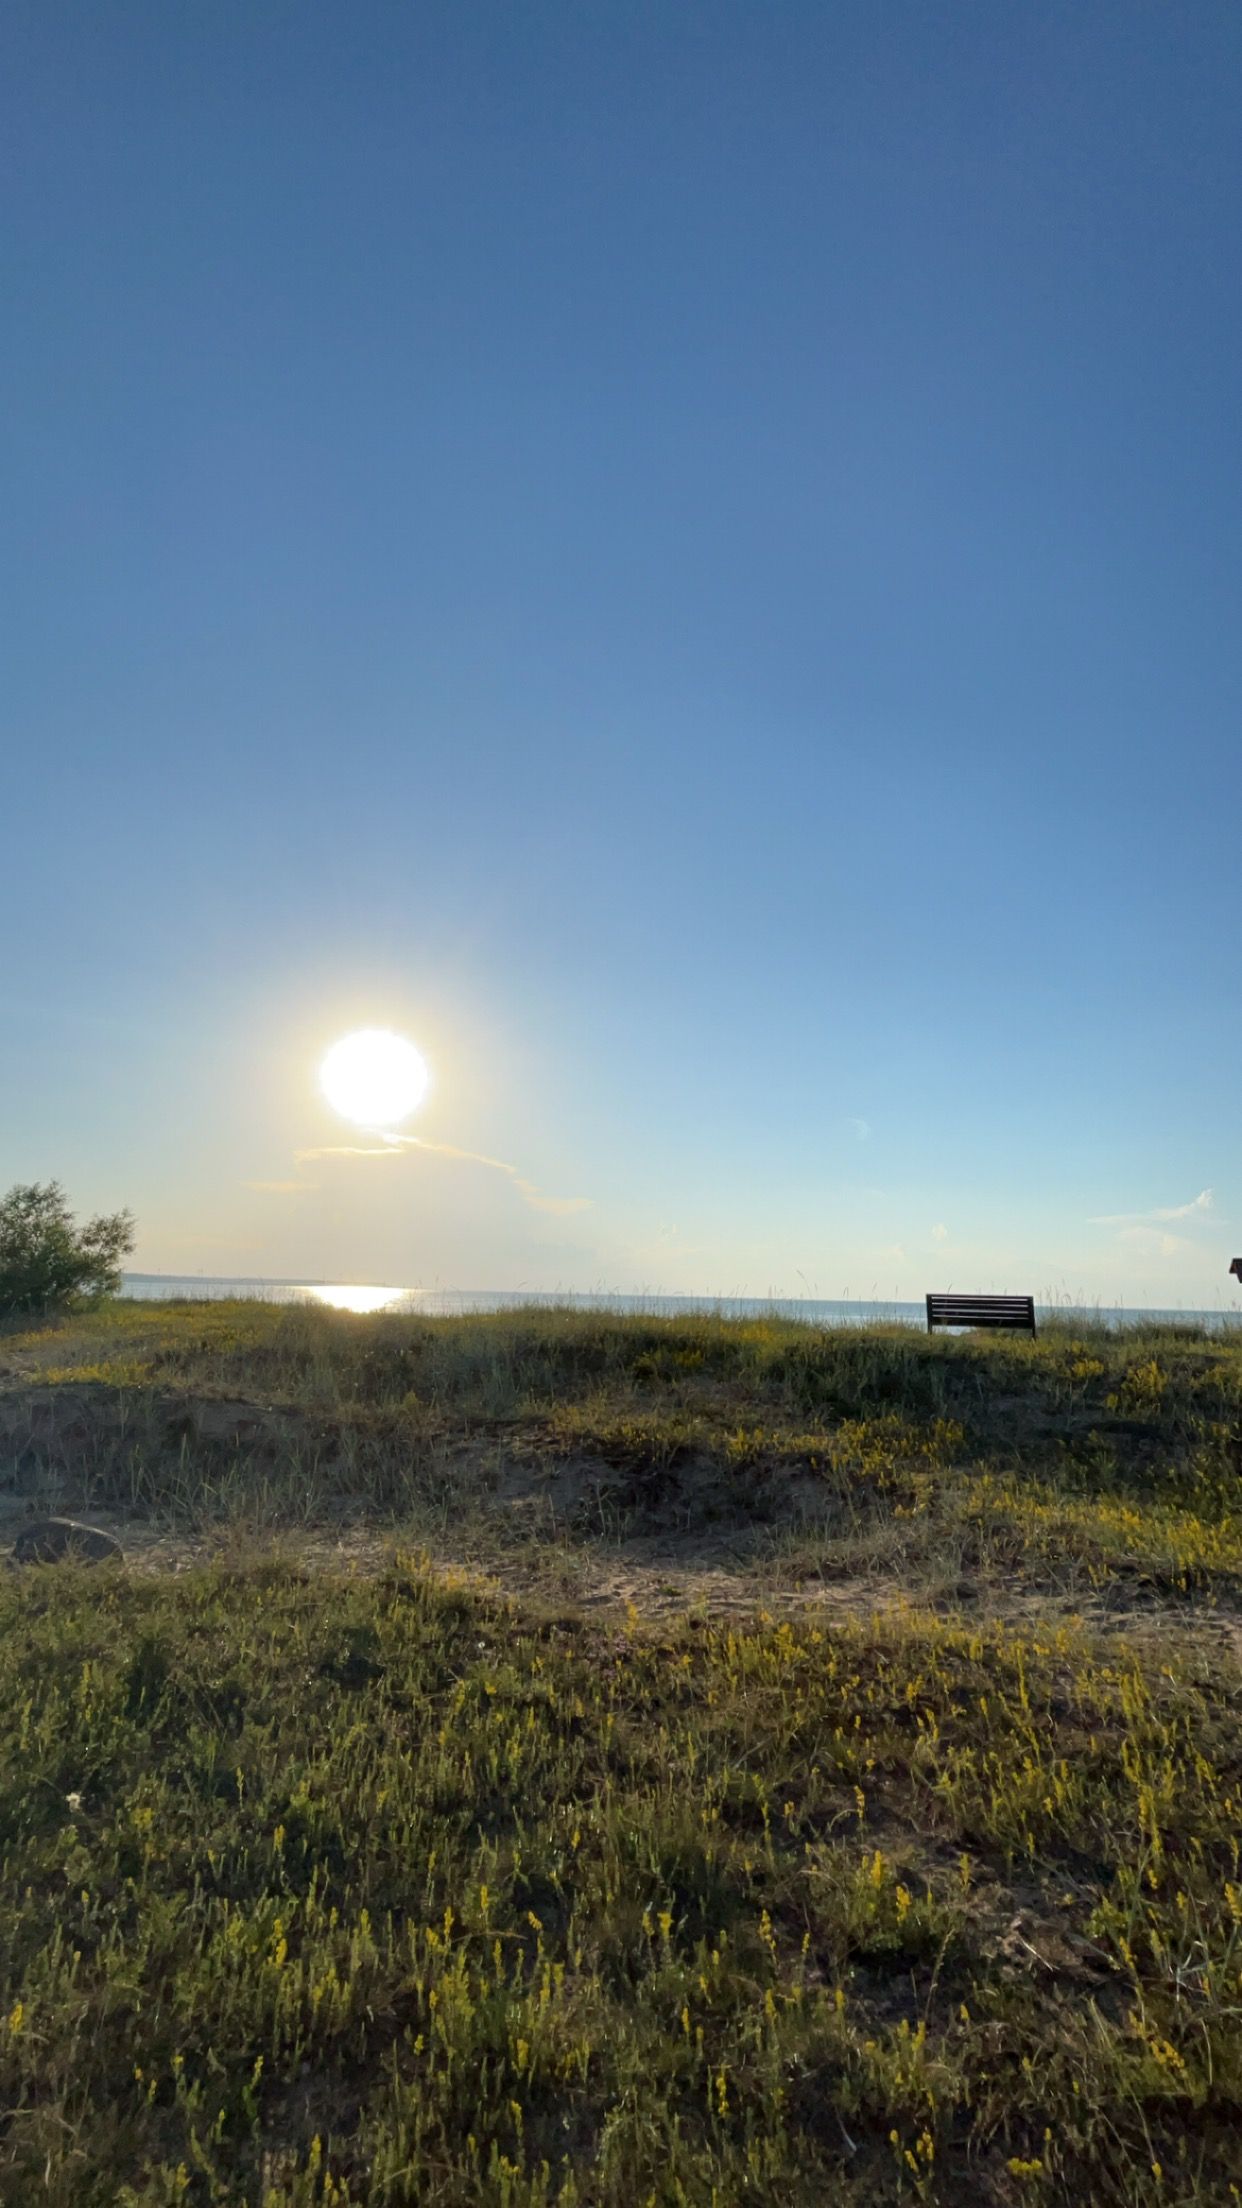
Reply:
x=233, y=1280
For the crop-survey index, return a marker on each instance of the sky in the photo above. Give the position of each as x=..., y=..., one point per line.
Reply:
x=685, y=558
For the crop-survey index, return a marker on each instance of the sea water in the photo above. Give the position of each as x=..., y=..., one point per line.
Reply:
x=369, y=1296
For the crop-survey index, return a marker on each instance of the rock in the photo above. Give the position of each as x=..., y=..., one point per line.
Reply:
x=51, y=1540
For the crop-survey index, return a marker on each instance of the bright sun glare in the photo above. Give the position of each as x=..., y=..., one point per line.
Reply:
x=374, y=1077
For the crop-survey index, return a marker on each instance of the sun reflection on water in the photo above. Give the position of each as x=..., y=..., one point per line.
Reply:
x=342, y=1296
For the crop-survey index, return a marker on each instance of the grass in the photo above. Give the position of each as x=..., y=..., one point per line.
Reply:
x=376, y=1891
x=323, y=1888
x=1087, y=1461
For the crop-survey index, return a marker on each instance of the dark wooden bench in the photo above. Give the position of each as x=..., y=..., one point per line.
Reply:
x=1016, y=1311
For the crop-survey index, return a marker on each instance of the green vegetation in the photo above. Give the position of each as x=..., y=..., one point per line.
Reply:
x=372, y=1891
x=326, y=1886
x=46, y=1260
x=1103, y=1467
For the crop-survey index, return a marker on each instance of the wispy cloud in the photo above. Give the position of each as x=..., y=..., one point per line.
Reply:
x=393, y=1146
x=1153, y=1242
x=862, y=1129
x=1199, y=1204
x=940, y=1232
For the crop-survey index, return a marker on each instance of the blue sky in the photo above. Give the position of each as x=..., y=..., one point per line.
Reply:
x=685, y=557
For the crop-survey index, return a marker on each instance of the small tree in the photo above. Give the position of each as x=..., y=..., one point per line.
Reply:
x=46, y=1260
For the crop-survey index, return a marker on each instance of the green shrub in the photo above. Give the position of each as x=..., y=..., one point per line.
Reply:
x=47, y=1260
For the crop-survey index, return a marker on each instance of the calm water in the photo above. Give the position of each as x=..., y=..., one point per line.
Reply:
x=446, y=1302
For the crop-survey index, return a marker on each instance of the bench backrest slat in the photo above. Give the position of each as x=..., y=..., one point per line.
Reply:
x=981, y=1310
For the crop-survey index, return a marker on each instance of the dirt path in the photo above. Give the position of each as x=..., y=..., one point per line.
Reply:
x=658, y=1579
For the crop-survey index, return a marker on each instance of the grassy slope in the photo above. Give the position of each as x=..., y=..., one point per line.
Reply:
x=1083, y=1461
x=324, y=1890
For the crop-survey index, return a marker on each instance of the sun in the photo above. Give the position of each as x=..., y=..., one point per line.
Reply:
x=374, y=1077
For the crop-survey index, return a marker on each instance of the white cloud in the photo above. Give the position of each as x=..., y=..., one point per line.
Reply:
x=940, y=1232
x=395, y=1146
x=1199, y=1204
